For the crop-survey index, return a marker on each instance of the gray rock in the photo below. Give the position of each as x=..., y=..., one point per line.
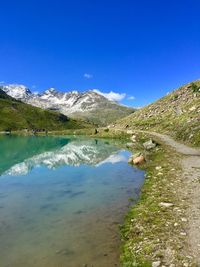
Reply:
x=129, y=145
x=149, y=145
x=156, y=263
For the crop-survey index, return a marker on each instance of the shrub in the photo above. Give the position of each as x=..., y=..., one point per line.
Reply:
x=195, y=88
x=175, y=97
x=106, y=130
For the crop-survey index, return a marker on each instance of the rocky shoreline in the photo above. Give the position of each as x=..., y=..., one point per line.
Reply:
x=156, y=229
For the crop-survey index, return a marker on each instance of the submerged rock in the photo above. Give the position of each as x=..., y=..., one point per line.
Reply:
x=130, y=160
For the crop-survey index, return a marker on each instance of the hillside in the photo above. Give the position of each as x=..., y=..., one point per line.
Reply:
x=15, y=115
x=177, y=114
x=105, y=114
x=89, y=105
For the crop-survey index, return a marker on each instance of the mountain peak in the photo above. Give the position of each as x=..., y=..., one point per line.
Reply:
x=75, y=92
x=88, y=105
x=17, y=91
x=51, y=90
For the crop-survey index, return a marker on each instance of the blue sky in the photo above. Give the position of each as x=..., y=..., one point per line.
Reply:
x=139, y=50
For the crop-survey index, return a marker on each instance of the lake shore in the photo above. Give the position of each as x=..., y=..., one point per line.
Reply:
x=67, y=195
x=162, y=228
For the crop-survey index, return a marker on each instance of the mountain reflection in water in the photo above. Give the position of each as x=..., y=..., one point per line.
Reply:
x=21, y=154
x=62, y=199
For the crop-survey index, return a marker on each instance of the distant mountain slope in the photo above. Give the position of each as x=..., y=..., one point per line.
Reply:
x=16, y=115
x=178, y=114
x=88, y=105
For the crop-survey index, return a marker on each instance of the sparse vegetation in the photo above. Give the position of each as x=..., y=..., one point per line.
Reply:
x=177, y=114
x=106, y=130
x=195, y=88
x=105, y=115
x=151, y=232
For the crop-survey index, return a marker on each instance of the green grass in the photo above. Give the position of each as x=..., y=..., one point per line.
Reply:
x=177, y=114
x=105, y=115
x=15, y=115
x=149, y=231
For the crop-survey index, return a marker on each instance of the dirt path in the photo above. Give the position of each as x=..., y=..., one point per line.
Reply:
x=190, y=162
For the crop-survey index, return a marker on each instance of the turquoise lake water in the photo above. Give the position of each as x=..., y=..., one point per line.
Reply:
x=62, y=200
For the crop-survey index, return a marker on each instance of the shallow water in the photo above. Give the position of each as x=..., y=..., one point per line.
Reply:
x=62, y=199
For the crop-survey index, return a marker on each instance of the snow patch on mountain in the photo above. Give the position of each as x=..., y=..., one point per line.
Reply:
x=91, y=105
x=17, y=91
x=65, y=102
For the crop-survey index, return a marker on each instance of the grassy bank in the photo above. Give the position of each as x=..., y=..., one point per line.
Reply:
x=91, y=132
x=154, y=229
x=94, y=132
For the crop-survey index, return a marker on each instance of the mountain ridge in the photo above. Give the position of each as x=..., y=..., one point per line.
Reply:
x=16, y=115
x=88, y=105
x=176, y=114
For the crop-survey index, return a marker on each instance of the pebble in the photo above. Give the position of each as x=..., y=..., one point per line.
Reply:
x=183, y=219
x=183, y=234
x=158, y=168
x=156, y=263
x=166, y=204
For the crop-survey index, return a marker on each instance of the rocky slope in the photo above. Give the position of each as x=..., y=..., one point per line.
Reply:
x=177, y=114
x=15, y=115
x=88, y=105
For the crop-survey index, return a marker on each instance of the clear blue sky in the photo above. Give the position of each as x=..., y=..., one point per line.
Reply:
x=142, y=48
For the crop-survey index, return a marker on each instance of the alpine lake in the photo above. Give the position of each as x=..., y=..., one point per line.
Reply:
x=62, y=200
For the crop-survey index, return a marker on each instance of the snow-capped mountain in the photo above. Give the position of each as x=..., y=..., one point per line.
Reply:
x=88, y=105
x=16, y=91
x=66, y=103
